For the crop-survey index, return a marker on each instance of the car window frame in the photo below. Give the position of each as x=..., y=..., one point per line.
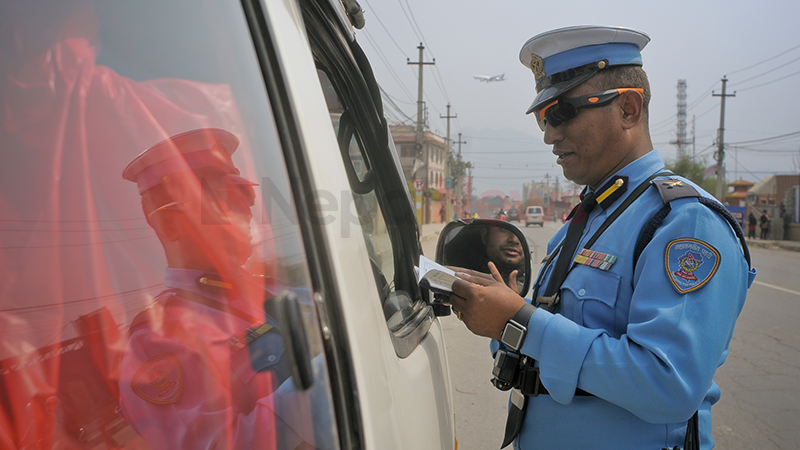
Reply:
x=346, y=65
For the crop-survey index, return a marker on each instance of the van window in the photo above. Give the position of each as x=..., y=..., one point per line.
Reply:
x=149, y=241
x=380, y=196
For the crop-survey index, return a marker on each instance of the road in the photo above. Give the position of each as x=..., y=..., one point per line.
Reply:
x=760, y=381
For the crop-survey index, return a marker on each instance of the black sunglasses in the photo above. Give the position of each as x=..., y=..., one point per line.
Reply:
x=564, y=109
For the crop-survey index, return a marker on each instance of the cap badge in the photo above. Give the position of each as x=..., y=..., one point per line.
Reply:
x=537, y=66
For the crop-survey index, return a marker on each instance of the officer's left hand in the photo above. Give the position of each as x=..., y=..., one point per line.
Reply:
x=484, y=303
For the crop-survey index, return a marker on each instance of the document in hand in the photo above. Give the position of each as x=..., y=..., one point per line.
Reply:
x=435, y=277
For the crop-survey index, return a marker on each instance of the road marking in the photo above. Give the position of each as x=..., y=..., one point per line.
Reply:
x=772, y=286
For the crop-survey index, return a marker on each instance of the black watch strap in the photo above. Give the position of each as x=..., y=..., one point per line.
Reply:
x=523, y=316
x=516, y=328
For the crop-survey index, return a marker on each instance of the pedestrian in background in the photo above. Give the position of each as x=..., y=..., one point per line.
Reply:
x=751, y=225
x=765, y=222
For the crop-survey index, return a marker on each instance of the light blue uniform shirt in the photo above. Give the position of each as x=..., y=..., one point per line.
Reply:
x=645, y=351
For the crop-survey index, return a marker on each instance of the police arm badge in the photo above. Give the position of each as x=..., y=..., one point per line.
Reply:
x=159, y=380
x=690, y=264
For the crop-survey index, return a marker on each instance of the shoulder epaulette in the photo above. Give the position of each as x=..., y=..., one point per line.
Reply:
x=672, y=189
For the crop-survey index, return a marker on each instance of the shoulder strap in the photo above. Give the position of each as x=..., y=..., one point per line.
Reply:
x=674, y=189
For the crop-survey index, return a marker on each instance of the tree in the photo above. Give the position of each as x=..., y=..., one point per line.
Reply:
x=693, y=170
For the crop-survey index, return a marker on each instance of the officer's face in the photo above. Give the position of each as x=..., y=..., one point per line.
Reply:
x=212, y=226
x=587, y=146
x=503, y=247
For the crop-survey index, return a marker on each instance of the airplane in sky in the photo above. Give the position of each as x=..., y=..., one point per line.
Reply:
x=490, y=79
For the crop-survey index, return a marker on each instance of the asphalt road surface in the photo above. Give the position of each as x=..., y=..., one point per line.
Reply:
x=760, y=380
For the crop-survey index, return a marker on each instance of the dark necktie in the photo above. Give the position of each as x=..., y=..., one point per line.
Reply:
x=580, y=215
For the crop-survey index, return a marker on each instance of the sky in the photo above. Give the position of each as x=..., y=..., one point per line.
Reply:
x=757, y=46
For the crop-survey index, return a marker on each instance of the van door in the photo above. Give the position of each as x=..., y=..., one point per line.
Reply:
x=377, y=215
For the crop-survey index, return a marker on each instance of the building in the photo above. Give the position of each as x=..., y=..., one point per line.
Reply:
x=431, y=164
x=737, y=192
x=777, y=194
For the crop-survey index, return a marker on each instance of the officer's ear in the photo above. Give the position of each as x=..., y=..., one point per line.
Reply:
x=631, y=103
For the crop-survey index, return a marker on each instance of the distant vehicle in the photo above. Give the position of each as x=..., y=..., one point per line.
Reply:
x=486, y=79
x=534, y=215
x=501, y=214
x=513, y=214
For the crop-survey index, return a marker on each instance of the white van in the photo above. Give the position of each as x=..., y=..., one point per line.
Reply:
x=534, y=215
x=207, y=239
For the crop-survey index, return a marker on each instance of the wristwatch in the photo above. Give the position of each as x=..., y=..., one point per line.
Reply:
x=514, y=332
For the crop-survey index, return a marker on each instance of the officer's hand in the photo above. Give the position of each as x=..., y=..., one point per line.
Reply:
x=483, y=303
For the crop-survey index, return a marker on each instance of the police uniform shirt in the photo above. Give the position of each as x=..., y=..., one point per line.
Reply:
x=629, y=336
x=184, y=383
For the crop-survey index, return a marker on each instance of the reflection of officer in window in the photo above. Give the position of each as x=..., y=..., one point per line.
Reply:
x=202, y=364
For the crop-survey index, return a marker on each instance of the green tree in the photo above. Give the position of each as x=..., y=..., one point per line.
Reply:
x=693, y=170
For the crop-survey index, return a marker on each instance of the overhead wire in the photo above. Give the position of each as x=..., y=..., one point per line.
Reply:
x=383, y=59
x=385, y=29
x=766, y=73
x=769, y=82
x=763, y=61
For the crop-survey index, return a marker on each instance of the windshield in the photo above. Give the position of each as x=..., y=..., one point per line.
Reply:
x=149, y=245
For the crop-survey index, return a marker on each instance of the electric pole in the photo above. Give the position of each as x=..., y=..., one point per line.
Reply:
x=459, y=194
x=418, y=135
x=448, y=117
x=721, y=141
x=456, y=180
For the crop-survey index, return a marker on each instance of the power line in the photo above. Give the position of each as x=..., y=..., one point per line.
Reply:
x=768, y=72
x=386, y=63
x=769, y=82
x=773, y=138
x=385, y=29
x=762, y=62
x=419, y=37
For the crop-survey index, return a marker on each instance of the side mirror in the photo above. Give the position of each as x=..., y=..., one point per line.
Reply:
x=472, y=243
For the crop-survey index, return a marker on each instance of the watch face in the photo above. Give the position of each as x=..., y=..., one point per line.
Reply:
x=512, y=336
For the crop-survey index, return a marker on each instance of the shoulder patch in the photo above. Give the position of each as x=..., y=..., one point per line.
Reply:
x=690, y=263
x=159, y=380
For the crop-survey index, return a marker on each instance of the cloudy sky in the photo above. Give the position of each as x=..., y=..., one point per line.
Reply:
x=756, y=45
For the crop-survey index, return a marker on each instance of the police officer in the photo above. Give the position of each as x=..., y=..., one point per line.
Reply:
x=204, y=367
x=619, y=347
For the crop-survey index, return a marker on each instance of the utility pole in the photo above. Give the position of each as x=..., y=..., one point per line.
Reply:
x=721, y=141
x=459, y=193
x=456, y=182
x=418, y=135
x=448, y=117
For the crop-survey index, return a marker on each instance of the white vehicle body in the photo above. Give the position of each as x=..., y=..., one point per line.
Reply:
x=380, y=376
x=534, y=215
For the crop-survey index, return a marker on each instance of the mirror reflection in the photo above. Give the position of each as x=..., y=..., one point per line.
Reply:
x=472, y=244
